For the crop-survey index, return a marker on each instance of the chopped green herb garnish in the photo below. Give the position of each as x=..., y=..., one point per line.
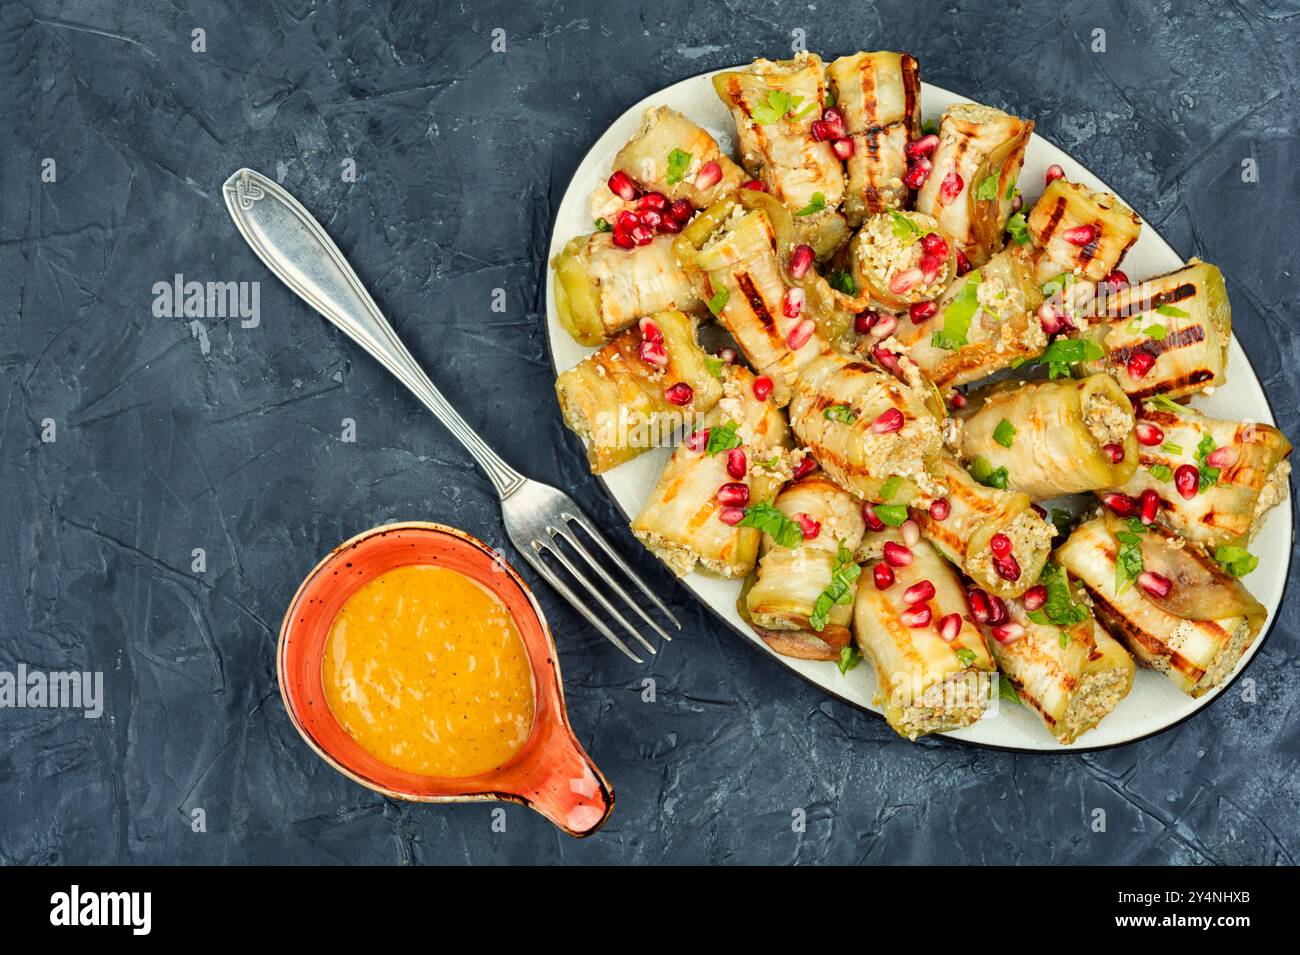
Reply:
x=844, y=282
x=929, y=126
x=1170, y=448
x=848, y=659
x=1165, y=404
x=841, y=413
x=904, y=229
x=1065, y=639
x=895, y=515
x=774, y=107
x=957, y=315
x=1060, y=608
x=1158, y=332
x=1236, y=560
x=844, y=573
x=830, y=97
x=722, y=438
x=1061, y=519
x=1161, y=472
x=817, y=204
x=1007, y=690
x=770, y=521
x=1128, y=560
x=1209, y=475
x=987, y=190
x=982, y=470
x=1063, y=353
x=603, y=226
x=1058, y=285
x=967, y=657
x=714, y=364
x=1019, y=228
x=1005, y=433
x=890, y=487
x=678, y=162
x=1011, y=191
x=719, y=301
x=1171, y=311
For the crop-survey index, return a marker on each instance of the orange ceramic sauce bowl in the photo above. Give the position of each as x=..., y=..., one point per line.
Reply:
x=550, y=773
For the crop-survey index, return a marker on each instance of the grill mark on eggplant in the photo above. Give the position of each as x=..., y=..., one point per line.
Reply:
x=1132, y=305
x=1116, y=620
x=750, y=291
x=1182, y=338
x=1171, y=384
x=911, y=91
x=1053, y=220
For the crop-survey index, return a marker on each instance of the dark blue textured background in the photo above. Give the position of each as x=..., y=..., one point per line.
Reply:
x=174, y=436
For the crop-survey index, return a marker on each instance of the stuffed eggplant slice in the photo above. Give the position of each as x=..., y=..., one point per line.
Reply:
x=1175, y=609
x=801, y=601
x=775, y=105
x=601, y=289
x=1080, y=232
x=1053, y=437
x=902, y=258
x=993, y=534
x=867, y=429
x=636, y=390
x=972, y=181
x=879, y=96
x=986, y=320
x=1167, y=336
x=710, y=502
x=933, y=668
x=1215, y=480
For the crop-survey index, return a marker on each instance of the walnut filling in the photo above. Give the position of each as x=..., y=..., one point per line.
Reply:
x=885, y=248
x=1105, y=420
x=1099, y=694
x=1271, y=494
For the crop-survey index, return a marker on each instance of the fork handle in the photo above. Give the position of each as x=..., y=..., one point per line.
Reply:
x=295, y=247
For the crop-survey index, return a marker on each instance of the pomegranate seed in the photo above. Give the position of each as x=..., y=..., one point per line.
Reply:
x=978, y=601
x=932, y=243
x=670, y=225
x=922, y=147
x=950, y=627
x=728, y=355
x=622, y=240
x=896, y=554
x=800, y=334
x=920, y=312
x=888, y=421
x=1052, y=320
x=1155, y=584
x=1113, y=452
x=697, y=440
x=916, y=617
x=649, y=330
x=963, y=263
x=1008, y=633
x=735, y=494
x=940, y=509
x=1017, y=202
x=1000, y=544
x=870, y=519
x=918, y=173
x=808, y=526
x=654, y=353
x=652, y=200
x=958, y=401
x=763, y=386
x=1121, y=504
x=1080, y=235
x=918, y=593
x=951, y=187
x=904, y=281
x=1148, y=434
x=1139, y=363
x=1188, y=480
x=863, y=321
x=911, y=533
x=801, y=261
x=1223, y=457
x=930, y=265
x=737, y=465
x=641, y=235
x=1008, y=567
x=885, y=326
x=1041, y=512
x=997, y=610
x=792, y=305
x=709, y=175
x=625, y=222
x=806, y=467
x=821, y=130
x=1148, y=506
x=1035, y=597
x=731, y=515
x=834, y=121
x=681, y=211
x=651, y=219
x=1117, y=281
x=843, y=147
x=883, y=576
x=679, y=394
x=756, y=184
x=886, y=358
x=1054, y=172
x=622, y=186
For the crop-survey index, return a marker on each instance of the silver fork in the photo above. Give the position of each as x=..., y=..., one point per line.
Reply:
x=537, y=516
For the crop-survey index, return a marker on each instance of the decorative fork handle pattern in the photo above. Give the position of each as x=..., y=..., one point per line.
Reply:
x=294, y=246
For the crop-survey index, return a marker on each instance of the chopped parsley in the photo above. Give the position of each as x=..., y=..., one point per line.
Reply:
x=982, y=470
x=678, y=162
x=719, y=301
x=929, y=126
x=722, y=438
x=1128, y=558
x=1236, y=560
x=844, y=573
x=1171, y=311
x=774, y=107
x=1157, y=332
x=1006, y=690
x=1061, y=519
x=1161, y=472
x=890, y=487
x=987, y=190
x=1005, y=433
x=844, y=282
x=841, y=413
x=895, y=515
x=905, y=230
x=967, y=657
x=1018, y=228
x=957, y=315
x=1209, y=475
x=1058, y=285
x=1063, y=353
x=815, y=205
x=1165, y=404
x=770, y=521
x=1060, y=608
x=848, y=659
x=1170, y=448
x=603, y=226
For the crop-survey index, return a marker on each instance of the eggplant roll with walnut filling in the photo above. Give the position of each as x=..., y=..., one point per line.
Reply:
x=782, y=603
x=774, y=105
x=1167, y=336
x=681, y=521
x=879, y=95
x=889, y=260
x=1053, y=437
x=924, y=683
x=1196, y=632
x=1228, y=507
x=975, y=515
x=1070, y=671
x=864, y=427
x=987, y=320
x=972, y=182
x=601, y=289
x=618, y=403
x=1081, y=232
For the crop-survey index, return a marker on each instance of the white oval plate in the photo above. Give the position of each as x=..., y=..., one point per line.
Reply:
x=1154, y=703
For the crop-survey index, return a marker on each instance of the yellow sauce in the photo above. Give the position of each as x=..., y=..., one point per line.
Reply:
x=426, y=670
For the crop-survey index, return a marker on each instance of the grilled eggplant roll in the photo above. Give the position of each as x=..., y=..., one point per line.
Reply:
x=601, y=289
x=1167, y=336
x=1053, y=437
x=973, y=179
x=672, y=156
x=622, y=404
x=933, y=668
x=1080, y=232
x=986, y=320
x=1216, y=480
x=902, y=258
x=801, y=603
x=879, y=96
x=866, y=428
x=994, y=535
x=1175, y=609
x=1062, y=663
x=694, y=514
x=775, y=105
